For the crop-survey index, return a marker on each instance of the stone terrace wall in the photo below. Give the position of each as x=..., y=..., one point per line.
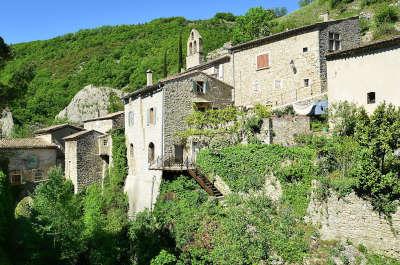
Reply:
x=282, y=130
x=352, y=218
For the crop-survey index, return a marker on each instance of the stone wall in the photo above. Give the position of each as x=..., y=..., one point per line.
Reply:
x=258, y=86
x=352, y=218
x=179, y=99
x=283, y=130
x=349, y=31
x=31, y=162
x=89, y=163
x=71, y=167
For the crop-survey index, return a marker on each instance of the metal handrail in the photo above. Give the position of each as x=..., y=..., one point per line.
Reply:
x=171, y=161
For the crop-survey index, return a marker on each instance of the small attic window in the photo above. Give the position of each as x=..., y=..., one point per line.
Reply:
x=306, y=82
x=371, y=98
x=200, y=87
x=305, y=49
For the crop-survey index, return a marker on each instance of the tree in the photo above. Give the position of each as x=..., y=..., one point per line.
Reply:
x=57, y=219
x=6, y=210
x=380, y=133
x=5, y=52
x=225, y=16
x=165, y=64
x=180, y=53
x=303, y=3
x=256, y=23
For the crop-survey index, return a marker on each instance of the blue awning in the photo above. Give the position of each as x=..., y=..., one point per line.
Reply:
x=320, y=108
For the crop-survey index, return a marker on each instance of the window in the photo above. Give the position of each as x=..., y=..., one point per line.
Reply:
x=15, y=178
x=334, y=41
x=306, y=82
x=151, y=116
x=200, y=87
x=305, y=49
x=38, y=175
x=178, y=154
x=151, y=153
x=221, y=71
x=262, y=61
x=131, y=151
x=105, y=142
x=371, y=98
x=278, y=84
x=131, y=118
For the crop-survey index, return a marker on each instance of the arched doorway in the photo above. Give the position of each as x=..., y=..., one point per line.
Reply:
x=151, y=153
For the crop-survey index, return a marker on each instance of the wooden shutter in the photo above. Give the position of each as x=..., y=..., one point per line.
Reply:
x=194, y=87
x=262, y=61
x=206, y=86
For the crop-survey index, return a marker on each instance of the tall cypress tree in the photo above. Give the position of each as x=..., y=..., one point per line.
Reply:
x=165, y=64
x=180, y=53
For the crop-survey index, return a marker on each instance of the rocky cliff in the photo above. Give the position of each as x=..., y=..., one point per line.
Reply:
x=89, y=103
x=6, y=123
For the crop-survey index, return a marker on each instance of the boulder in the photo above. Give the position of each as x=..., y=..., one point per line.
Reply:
x=89, y=103
x=6, y=123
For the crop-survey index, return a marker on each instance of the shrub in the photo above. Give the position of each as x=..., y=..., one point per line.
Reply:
x=336, y=3
x=164, y=258
x=386, y=14
x=343, y=118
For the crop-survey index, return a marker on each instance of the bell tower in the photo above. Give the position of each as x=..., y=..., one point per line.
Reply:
x=194, y=49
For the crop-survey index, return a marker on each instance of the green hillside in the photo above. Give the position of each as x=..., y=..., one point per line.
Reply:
x=43, y=76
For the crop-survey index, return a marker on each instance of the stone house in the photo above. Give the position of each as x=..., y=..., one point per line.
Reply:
x=290, y=66
x=83, y=163
x=29, y=159
x=88, y=153
x=366, y=75
x=154, y=116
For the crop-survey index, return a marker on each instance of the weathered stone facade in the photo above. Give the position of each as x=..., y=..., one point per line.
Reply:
x=352, y=218
x=83, y=164
x=296, y=67
x=154, y=116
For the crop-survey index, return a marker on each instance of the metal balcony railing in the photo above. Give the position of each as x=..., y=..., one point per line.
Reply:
x=172, y=163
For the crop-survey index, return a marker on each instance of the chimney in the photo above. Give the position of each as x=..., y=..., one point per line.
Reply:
x=149, y=75
x=325, y=16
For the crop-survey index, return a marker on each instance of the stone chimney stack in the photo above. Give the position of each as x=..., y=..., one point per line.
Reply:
x=325, y=16
x=149, y=75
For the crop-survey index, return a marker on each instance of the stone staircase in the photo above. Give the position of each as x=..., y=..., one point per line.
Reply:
x=205, y=183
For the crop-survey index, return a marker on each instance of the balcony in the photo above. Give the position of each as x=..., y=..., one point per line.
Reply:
x=172, y=164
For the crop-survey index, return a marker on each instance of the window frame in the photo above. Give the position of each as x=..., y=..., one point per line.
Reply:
x=306, y=82
x=336, y=42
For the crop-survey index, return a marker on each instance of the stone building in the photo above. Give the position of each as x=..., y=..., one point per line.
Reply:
x=29, y=159
x=88, y=153
x=83, y=164
x=290, y=66
x=366, y=75
x=154, y=116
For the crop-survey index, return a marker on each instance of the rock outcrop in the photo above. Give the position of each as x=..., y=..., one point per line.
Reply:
x=6, y=123
x=89, y=103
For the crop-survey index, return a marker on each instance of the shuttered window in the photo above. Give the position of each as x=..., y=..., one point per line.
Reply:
x=262, y=61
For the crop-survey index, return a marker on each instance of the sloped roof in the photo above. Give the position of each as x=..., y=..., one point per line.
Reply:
x=364, y=49
x=286, y=34
x=81, y=134
x=26, y=143
x=107, y=117
x=56, y=128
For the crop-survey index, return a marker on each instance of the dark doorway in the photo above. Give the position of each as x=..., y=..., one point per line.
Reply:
x=151, y=153
x=179, y=154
